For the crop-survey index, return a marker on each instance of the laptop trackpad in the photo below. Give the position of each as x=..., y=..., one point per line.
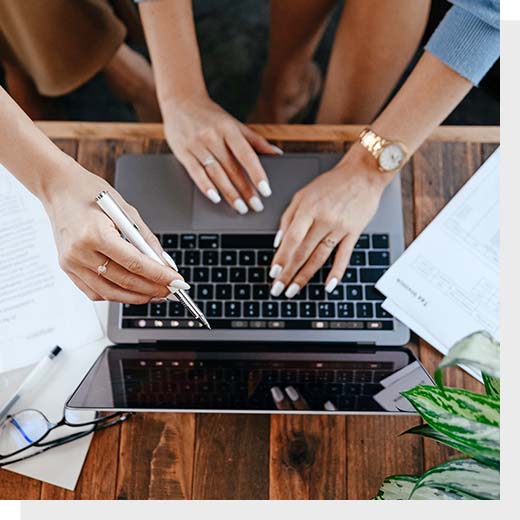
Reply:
x=286, y=176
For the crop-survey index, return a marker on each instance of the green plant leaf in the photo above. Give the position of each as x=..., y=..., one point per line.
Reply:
x=478, y=351
x=468, y=418
x=482, y=456
x=400, y=487
x=492, y=385
x=462, y=476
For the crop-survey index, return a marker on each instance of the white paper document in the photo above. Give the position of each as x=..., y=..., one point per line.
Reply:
x=39, y=306
x=446, y=284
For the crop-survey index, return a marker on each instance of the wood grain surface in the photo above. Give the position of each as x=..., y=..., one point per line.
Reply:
x=218, y=456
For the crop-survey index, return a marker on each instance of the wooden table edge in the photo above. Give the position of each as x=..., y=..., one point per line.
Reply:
x=315, y=133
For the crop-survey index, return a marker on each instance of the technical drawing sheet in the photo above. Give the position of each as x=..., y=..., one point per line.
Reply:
x=446, y=284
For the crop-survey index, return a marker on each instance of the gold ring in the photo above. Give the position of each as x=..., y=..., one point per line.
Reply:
x=102, y=269
x=329, y=242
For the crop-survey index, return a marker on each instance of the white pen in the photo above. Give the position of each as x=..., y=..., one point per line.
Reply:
x=35, y=377
x=130, y=230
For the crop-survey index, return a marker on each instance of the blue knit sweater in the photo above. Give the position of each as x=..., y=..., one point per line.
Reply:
x=468, y=38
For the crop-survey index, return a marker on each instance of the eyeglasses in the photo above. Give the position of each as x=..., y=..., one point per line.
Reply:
x=29, y=428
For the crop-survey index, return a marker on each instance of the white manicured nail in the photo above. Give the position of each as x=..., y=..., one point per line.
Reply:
x=277, y=288
x=170, y=261
x=240, y=206
x=213, y=196
x=256, y=204
x=331, y=285
x=277, y=238
x=158, y=300
x=275, y=271
x=279, y=151
x=264, y=188
x=293, y=290
x=277, y=394
x=178, y=284
x=330, y=406
x=292, y=393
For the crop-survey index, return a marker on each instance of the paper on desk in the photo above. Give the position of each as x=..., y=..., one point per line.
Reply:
x=445, y=285
x=59, y=466
x=39, y=306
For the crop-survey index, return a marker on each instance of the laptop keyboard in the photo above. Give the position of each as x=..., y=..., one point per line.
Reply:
x=247, y=384
x=228, y=274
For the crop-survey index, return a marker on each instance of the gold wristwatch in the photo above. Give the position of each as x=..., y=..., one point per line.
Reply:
x=390, y=155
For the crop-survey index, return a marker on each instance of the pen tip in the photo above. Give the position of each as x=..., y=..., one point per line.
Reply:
x=205, y=322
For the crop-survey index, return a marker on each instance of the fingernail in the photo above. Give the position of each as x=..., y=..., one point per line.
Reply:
x=179, y=284
x=264, y=188
x=275, y=271
x=213, y=196
x=293, y=290
x=277, y=394
x=158, y=300
x=170, y=260
x=330, y=406
x=292, y=393
x=277, y=288
x=256, y=204
x=279, y=151
x=277, y=238
x=331, y=285
x=240, y=206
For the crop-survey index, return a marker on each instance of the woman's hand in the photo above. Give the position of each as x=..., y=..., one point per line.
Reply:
x=219, y=152
x=326, y=215
x=86, y=238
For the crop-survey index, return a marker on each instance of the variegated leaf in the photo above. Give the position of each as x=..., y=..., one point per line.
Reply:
x=486, y=456
x=478, y=351
x=463, y=476
x=492, y=385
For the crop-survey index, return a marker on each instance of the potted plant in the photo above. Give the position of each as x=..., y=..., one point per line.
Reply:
x=466, y=421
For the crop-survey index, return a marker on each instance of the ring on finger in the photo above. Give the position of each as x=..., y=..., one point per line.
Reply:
x=209, y=161
x=102, y=269
x=329, y=242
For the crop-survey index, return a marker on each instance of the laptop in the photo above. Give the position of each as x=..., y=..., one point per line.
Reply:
x=331, y=352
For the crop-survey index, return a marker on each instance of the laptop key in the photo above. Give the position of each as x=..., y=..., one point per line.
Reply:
x=201, y=274
x=350, y=275
x=228, y=258
x=337, y=294
x=256, y=275
x=209, y=257
x=358, y=258
x=371, y=293
x=326, y=310
x=208, y=241
x=188, y=242
x=232, y=309
x=261, y=292
x=214, y=309
x=251, y=309
x=264, y=257
x=135, y=310
x=158, y=310
x=307, y=309
x=380, y=312
x=289, y=310
x=316, y=292
x=270, y=309
x=378, y=258
x=223, y=292
x=250, y=241
x=345, y=310
x=380, y=241
x=237, y=274
x=364, y=310
x=371, y=275
x=205, y=292
x=176, y=310
x=242, y=292
x=170, y=241
x=354, y=292
x=363, y=242
x=219, y=274
x=191, y=257
x=246, y=258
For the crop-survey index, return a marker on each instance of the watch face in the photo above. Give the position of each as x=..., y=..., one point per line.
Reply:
x=391, y=157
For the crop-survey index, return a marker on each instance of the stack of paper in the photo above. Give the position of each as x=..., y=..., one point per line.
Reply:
x=446, y=284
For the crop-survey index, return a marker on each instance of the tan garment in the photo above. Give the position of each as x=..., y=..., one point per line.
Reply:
x=61, y=44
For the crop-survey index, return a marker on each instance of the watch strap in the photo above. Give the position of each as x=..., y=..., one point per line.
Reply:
x=372, y=142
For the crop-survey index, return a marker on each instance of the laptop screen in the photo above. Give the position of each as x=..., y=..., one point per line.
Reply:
x=260, y=380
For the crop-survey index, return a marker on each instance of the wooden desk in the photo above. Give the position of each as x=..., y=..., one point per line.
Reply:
x=210, y=456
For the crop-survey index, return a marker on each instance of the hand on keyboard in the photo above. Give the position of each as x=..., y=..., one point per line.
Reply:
x=219, y=153
x=291, y=399
x=325, y=216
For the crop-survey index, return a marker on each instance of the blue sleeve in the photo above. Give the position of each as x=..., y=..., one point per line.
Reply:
x=468, y=38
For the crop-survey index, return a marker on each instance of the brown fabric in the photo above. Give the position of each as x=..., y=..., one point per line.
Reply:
x=61, y=44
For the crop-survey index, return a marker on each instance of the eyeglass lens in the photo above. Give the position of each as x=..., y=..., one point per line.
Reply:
x=21, y=430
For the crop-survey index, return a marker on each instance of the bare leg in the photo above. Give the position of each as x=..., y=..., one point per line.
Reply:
x=290, y=79
x=130, y=77
x=374, y=43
